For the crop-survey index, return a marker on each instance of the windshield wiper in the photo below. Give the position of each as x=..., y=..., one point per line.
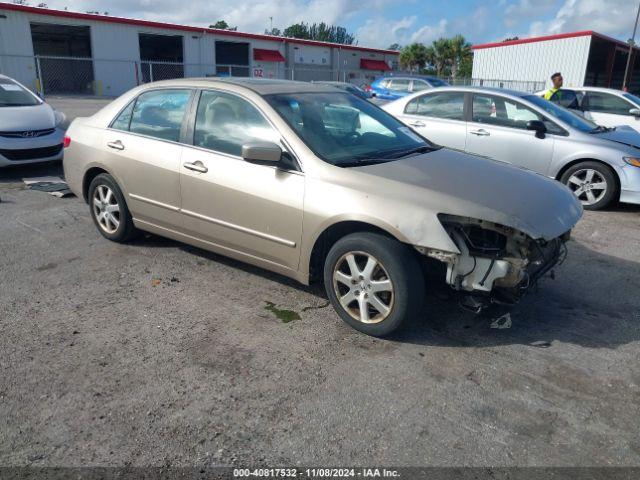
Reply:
x=601, y=129
x=361, y=162
x=412, y=151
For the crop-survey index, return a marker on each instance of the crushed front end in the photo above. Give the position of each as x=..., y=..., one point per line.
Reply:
x=496, y=264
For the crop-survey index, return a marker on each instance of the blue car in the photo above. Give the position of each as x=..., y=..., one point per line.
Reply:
x=392, y=88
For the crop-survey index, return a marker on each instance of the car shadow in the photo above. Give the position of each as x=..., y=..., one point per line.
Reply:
x=592, y=302
x=13, y=174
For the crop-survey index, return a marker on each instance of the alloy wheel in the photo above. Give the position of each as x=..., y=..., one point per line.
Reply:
x=363, y=287
x=106, y=209
x=588, y=185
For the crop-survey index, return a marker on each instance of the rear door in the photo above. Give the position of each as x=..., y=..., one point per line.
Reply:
x=609, y=110
x=244, y=207
x=498, y=130
x=438, y=116
x=143, y=150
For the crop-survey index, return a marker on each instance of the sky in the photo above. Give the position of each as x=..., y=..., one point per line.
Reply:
x=380, y=23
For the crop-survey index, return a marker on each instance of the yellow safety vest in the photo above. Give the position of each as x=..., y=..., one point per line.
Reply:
x=550, y=93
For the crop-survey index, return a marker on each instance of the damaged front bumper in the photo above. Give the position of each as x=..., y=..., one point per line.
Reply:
x=495, y=264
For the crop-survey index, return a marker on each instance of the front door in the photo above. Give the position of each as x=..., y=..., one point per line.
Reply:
x=497, y=130
x=438, y=116
x=609, y=110
x=255, y=210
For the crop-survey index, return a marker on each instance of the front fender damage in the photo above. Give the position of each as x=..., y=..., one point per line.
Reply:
x=495, y=263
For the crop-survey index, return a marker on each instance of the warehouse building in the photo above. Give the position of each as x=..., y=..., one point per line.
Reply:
x=585, y=58
x=59, y=51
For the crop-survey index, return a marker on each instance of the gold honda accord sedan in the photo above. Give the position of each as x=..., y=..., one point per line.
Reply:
x=314, y=183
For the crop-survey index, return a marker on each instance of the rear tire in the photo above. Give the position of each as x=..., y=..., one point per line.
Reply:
x=109, y=210
x=593, y=183
x=374, y=282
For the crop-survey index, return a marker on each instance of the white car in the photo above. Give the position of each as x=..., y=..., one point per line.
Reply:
x=604, y=106
x=29, y=128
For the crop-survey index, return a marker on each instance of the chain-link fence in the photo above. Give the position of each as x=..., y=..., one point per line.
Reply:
x=50, y=75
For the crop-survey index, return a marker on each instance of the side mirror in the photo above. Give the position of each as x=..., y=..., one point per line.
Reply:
x=635, y=112
x=262, y=152
x=538, y=126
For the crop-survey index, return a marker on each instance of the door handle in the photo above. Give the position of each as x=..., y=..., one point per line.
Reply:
x=480, y=133
x=117, y=145
x=196, y=166
x=417, y=124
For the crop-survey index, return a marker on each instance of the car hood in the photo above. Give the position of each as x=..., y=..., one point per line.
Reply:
x=36, y=117
x=623, y=134
x=465, y=185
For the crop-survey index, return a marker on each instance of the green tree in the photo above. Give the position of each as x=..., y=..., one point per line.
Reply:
x=274, y=31
x=413, y=57
x=394, y=46
x=223, y=25
x=321, y=32
x=459, y=53
x=439, y=55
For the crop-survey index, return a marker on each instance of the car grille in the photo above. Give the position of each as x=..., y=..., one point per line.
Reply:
x=28, y=133
x=31, y=153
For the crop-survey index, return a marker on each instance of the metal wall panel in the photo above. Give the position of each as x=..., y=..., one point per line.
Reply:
x=535, y=61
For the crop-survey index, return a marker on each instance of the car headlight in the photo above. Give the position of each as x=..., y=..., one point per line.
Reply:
x=633, y=161
x=59, y=117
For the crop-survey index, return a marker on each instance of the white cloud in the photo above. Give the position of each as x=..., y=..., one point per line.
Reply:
x=611, y=17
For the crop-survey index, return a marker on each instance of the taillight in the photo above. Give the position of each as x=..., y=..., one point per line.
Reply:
x=66, y=142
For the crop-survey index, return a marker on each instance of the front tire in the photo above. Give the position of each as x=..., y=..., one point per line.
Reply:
x=109, y=210
x=593, y=183
x=373, y=282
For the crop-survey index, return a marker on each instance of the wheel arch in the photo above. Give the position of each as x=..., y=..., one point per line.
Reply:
x=572, y=163
x=330, y=234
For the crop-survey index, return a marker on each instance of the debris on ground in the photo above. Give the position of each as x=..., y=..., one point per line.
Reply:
x=52, y=185
x=285, y=315
x=502, y=322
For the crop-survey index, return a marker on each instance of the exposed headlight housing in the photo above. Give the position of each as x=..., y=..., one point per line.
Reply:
x=633, y=161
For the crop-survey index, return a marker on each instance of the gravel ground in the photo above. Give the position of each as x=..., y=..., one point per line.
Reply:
x=157, y=353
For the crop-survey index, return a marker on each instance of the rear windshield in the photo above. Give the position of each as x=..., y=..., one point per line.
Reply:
x=13, y=95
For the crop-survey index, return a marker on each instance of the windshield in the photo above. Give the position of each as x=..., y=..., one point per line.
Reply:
x=343, y=129
x=13, y=95
x=633, y=98
x=570, y=118
x=436, y=82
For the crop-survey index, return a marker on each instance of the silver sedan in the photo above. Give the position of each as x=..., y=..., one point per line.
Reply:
x=600, y=165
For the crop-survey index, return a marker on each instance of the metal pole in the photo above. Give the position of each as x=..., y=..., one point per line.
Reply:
x=632, y=42
x=40, y=76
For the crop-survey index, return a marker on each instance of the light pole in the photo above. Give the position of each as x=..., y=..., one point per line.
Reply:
x=632, y=42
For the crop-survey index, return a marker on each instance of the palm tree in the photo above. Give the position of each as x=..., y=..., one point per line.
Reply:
x=439, y=55
x=413, y=57
x=460, y=51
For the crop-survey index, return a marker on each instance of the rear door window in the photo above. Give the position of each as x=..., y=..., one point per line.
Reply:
x=399, y=85
x=449, y=105
x=158, y=114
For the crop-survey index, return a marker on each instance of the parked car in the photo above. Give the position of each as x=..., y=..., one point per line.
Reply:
x=392, y=88
x=29, y=128
x=285, y=176
x=603, y=106
x=599, y=165
x=348, y=87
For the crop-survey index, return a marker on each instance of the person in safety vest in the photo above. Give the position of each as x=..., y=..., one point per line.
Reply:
x=554, y=92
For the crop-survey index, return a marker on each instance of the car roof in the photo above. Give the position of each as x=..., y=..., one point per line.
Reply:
x=598, y=89
x=408, y=77
x=478, y=89
x=258, y=85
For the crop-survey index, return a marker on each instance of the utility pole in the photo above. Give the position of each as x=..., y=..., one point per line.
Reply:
x=632, y=42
